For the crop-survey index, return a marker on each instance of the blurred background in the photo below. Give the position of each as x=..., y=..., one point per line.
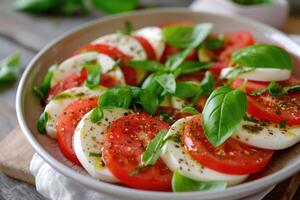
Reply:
x=26, y=26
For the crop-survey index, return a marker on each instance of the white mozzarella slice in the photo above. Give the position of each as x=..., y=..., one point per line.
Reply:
x=261, y=74
x=154, y=36
x=88, y=142
x=178, y=103
x=267, y=136
x=62, y=100
x=126, y=44
x=176, y=158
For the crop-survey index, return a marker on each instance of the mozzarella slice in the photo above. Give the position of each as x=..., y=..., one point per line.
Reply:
x=62, y=100
x=154, y=36
x=176, y=158
x=261, y=74
x=88, y=142
x=267, y=136
x=126, y=44
x=76, y=63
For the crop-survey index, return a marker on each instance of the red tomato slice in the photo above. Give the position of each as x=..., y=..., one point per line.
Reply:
x=130, y=75
x=126, y=140
x=232, y=157
x=75, y=79
x=270, y=108
x=170, y=50
x=67, y=123
x=235, y=41
x=147, y=47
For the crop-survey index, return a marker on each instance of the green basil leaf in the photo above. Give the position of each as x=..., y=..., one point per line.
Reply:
x=191, y=66
x=118, y=96
x=175, y=61
x=275, y=89
x=166, y=81
x=149, y=101
x=223, y=111
x=238, y=71
x=154, y=149
x=184, y=184
x=187, y=36
x=152, y=85
x=251, y=2
x=115, y=6
x=42, y=90
x=263, y=56
x=147, y=65
x=96, y=114
x=285, y=90
x=214, y=43
x=41, y=124
x=36, y=6
x=128, y=27
x=10, y=69
x=94, y=73
x=186, y=89
x=190, y=110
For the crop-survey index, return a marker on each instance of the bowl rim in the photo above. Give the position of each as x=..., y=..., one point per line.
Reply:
x=108, y=188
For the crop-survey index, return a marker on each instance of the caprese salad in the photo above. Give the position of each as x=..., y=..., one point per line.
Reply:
x=175, y=107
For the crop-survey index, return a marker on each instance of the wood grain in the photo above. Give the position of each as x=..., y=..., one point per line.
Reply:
x=16, y=155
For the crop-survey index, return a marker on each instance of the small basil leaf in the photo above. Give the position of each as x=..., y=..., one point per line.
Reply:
x=186, y=89
x=275, y=89
x=238, y=71
x=94, y=73
x=42, y=121
x=149, y=101
x=42, y=90
x=167, y=81
x=175, y=60
x=251, y=2
x=189, y=110
x=223, y=111
x=207, y=84
x=147, y=65
x=115, y=6
x=285, y=90
x=152, y=85
x=263, y=56
x=36, y=6
x=154, y=149
x=118, y=96
x=187, y=36
x=214, y=43
x=128, y=27
x=96, y=114
x=10, y=68
x=191, y=66
x=184, y=184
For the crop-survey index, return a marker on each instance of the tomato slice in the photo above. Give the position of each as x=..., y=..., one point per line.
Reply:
x=67, y=123
x=273, y=109
x=129, y=73
x=125, y=142
x=235, y=41
x=147, y=47
x=77, y=79
x=232, y=157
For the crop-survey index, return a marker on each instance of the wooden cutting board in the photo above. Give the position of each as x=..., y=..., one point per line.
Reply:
x=16, y=154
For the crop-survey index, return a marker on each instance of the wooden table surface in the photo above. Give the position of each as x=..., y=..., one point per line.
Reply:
x=28, y=34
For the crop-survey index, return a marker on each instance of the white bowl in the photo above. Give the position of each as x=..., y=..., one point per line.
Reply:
x=284, y=164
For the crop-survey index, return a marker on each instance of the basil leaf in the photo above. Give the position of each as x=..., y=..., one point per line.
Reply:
x=184, y=184
x=10, y=68
x=42, y=90
x=275, y=89
x=285, y=90
x=154, y=149
x=263, y=56
x=223, y=111
x=36, y=6
x=152, y=85
x=118, y=96
x=191, y=66
x=167, y=81
x=149, y=101
x=238, y=71
x=214, y=43
x=42, y=121
x=96, y=114
x=147, y=65
x=187, y=36
x=94, y=73
x=186, y=89
x=175, y=60
x=189, y=110
x=251, y=2
x=115, y=6
x=128, y=27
